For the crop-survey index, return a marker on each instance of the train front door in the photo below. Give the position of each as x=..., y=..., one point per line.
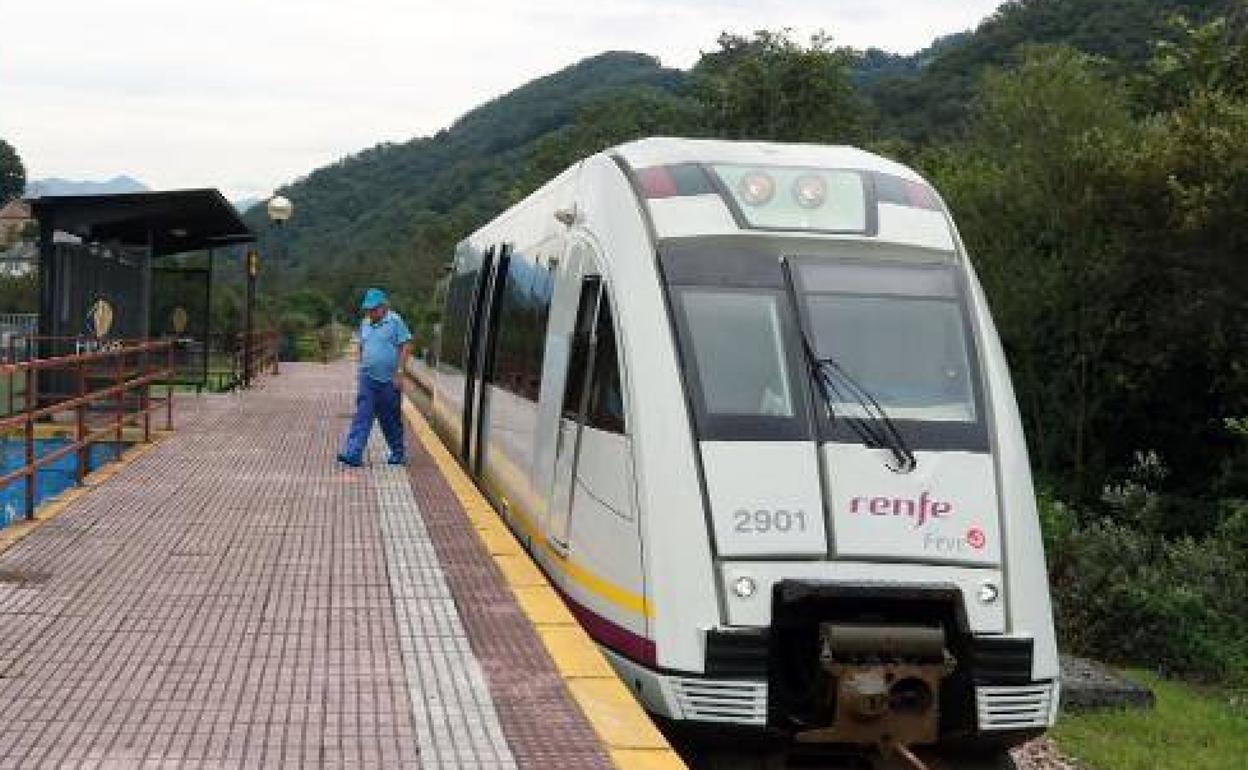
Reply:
x=571, y=420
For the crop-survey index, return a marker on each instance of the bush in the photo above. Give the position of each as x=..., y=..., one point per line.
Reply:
x=1125, y=595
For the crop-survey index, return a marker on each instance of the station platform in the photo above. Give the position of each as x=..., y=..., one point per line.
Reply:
x=233, y=597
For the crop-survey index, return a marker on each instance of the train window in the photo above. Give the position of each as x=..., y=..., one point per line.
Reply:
x=455, y=319
x=578, y=358
x=606, y=391
x=898, y=330
x=910, y=354
x=522, y=328
x=738, y=346
x=873, y=277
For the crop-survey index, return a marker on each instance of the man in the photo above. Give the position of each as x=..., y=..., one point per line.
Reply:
x=385, y=343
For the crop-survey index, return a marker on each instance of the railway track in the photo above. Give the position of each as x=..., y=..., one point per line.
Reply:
x=1040, y=754
x=702, y=759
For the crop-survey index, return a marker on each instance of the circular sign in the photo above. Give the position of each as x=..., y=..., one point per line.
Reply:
x=976, y=538
x=100, y=318
x=178, y=319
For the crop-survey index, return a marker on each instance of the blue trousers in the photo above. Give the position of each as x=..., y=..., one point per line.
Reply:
x=380, y=401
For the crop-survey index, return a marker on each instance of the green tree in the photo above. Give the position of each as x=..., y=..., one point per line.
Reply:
x=1110, y=248
x=770, y=87
x=12, y=173
x=1198, y=59
x=311, y=304
x=1029, y=189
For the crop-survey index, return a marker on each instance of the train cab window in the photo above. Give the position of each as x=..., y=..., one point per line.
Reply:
x=606, y=392
x=739, y=349
x=582, y=337
x=738, y=364
x=899, y=331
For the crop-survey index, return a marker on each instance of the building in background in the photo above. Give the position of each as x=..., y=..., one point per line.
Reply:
x=16, y=223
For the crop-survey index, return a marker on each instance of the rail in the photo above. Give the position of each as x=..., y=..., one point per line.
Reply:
x=115, y=382
x=231, y=361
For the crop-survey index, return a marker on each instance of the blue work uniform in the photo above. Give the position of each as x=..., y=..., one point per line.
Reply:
x=378, y=395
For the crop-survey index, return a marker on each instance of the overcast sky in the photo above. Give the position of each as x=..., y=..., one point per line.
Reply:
x=246, y=95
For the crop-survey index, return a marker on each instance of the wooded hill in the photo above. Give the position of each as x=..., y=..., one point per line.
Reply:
x=389, y=214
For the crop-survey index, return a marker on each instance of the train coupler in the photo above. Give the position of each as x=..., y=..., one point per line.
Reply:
x=882, y=683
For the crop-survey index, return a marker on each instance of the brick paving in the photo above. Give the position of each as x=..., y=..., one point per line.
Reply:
x=222, y=602
x=235, y=599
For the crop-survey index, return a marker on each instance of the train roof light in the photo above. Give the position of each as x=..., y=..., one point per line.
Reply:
x=657, y=182
x=757, y=188
x=819, y=199
x=905, y=192
x=673, y=181
x=810, y=191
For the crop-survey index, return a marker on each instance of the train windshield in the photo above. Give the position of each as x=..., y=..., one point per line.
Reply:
x=739, y=349
x=898, y=331
x=890, y=322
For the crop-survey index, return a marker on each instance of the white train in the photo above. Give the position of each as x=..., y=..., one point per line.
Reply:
x=746, y=406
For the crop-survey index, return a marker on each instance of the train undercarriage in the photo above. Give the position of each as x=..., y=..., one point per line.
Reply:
x=867, y=677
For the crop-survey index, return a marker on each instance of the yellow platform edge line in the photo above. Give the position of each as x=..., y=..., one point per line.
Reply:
x=626, y=731
x=17, y=531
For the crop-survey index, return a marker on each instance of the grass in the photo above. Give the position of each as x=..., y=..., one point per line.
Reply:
x=1190, y=729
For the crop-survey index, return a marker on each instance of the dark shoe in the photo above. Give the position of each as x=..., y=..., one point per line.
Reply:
x=352, y=461
x=396, y=460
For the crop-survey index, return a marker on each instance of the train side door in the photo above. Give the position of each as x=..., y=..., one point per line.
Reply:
x=482, y=341
x=571, y=419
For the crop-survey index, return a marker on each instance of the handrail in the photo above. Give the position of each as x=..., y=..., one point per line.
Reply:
x=129, y=366
x=256, y=354
x=56, y=362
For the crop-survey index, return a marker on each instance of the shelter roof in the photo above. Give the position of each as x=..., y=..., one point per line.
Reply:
x=171, y=222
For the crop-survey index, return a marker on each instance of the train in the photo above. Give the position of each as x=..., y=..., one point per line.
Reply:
x=745, y=404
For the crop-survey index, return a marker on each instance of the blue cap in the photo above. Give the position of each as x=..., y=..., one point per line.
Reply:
x=373, y=298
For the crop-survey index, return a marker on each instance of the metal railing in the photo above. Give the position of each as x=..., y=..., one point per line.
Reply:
x=111, y=388
x=257, y=354
x=16, y=330
x=224, y=363
x=19, y=323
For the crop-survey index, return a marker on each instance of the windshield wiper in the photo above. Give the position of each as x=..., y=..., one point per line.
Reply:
x=835, y=386
x=879, y=431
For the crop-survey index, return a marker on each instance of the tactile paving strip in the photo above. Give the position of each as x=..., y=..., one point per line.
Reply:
x=544, y=727
x=456, y=724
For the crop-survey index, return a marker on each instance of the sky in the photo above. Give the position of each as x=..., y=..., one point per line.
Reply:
x=246, y=95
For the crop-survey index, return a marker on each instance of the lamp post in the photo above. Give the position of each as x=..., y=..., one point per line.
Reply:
x=279, y=209
x=253, y=268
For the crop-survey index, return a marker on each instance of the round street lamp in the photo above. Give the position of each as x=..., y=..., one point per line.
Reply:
x=279, y=209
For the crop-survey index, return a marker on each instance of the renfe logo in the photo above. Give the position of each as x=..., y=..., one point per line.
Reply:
x=921, y=511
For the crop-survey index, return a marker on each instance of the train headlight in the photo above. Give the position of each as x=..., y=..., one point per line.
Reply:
x=744, y=586
x=757, y=188
x=810, y=191
x=988, y=592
